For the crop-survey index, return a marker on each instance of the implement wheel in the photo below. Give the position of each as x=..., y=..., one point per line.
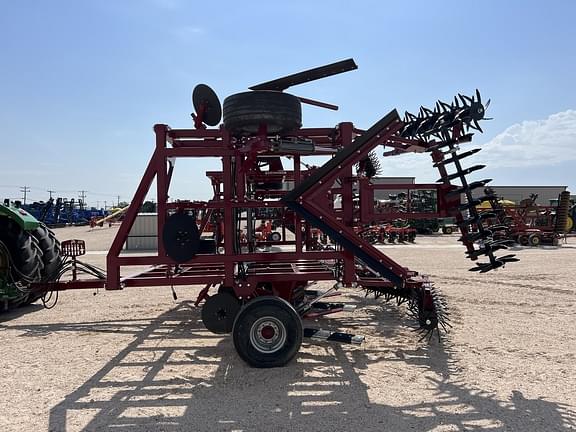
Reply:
x=534, y=240
x=244, y=113
x=267, y=332
x=275, y=236
x=219, y=312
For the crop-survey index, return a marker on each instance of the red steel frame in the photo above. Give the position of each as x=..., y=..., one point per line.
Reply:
x=298, y=266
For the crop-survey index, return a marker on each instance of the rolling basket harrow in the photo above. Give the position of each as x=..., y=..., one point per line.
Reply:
x=257, y=282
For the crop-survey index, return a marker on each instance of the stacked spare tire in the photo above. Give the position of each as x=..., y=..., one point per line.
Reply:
x=266, y=111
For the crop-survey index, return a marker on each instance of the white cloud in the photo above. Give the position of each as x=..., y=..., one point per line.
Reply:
x=531, y=143
x=409, y=165
x=187, y=33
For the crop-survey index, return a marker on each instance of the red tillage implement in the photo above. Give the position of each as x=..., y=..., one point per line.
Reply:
x=278, y=225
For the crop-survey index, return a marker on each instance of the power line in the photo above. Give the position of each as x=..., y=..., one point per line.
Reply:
x=82, y=196
x=24, y=190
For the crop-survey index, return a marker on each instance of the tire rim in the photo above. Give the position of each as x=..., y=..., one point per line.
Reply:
x=268, y=335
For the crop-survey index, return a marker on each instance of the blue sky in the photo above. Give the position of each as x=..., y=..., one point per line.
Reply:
x=83, y=82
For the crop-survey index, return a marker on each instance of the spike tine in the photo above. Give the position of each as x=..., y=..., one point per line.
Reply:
x=478, y=126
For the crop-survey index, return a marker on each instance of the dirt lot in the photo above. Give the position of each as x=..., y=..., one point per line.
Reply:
x=138, y=360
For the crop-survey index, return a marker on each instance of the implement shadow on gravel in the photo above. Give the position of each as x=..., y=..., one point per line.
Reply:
x=176, y=376
x=6, y=316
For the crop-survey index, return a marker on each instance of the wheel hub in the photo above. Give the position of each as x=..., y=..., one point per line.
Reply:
x=268, y=334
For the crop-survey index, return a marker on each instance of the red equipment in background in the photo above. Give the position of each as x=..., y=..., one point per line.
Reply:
x=528, y=223
x=257, y=281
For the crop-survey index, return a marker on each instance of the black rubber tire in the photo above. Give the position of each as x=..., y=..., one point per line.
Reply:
x=219, y=312
x=275, y=236
x=244, y=113
x=225, y=289
x=534, y=240
x=51, y=252
x=257, y=313
x=447, y=230
x=25, y=252
x=26, y=257
x=51, y=258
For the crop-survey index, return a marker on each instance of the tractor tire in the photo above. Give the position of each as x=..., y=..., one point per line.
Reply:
x=51, y=256
x=267, y=332
x=447, y=230
x=25, y=255
x=245, y=113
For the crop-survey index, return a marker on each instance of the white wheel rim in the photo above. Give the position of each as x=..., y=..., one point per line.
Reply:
x=268, y=335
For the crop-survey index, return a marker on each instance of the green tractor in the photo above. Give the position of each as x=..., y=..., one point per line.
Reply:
x=29, y=256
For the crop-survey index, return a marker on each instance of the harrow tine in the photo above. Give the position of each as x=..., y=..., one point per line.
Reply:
x=425, y=304
x=498, y=227
x=461, y=173
x=457, y=157
x=447, y=107
x=466, y=100
x=480, y=235
x=505, y=242
x=469, y=188
x=427, y=111
x=477, y=126
x=456, y=103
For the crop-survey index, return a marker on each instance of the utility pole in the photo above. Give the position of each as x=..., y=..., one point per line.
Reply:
x=82, y=196
x=118, y=205
x=50, y=192
x=105, y=205
x=24, y=190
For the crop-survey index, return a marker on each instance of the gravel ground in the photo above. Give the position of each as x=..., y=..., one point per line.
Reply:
x=137, y=360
